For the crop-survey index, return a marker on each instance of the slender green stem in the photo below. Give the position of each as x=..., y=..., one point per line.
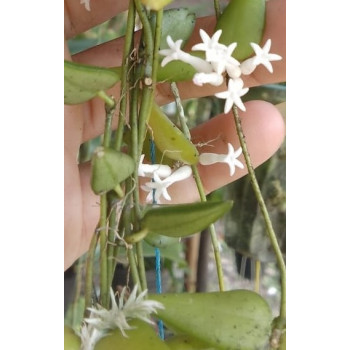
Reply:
x=103, y=252
x=268, y=224
x=217, y=8
x=141, y=265
x=133, y=267
x=257, y=276
x=201, y=190
x=213, y=236
x=90, y=271
x=148, y=38
x=77, y=293
x=180, y=109
x=112, y=226
x=128, y=46
x=157, y=37
x=148, y=84
x=108, y=125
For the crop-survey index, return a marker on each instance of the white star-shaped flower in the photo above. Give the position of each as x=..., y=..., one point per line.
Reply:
x=159, y=187
x=175, y=53
x=262, y=55
x=230, y=158
x=233, y=94
x=148, y=170
x=219, y=55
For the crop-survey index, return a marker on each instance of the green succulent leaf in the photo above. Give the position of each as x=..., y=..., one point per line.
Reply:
x=83, y=82
x=142, y=336
x=180, y=220
x=71, y=340
x=160, y=241
x=109, y=168
x=179, y=24
x=185, y=342
x=231, y=320
x=169, y=139
x=243, y=22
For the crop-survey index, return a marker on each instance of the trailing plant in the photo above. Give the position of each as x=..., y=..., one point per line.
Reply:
x=135, y=167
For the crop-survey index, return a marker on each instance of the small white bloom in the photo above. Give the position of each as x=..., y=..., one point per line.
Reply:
x=175, y=53
x=219, y=55
x=248, y=66
x=233, y=94
x=86, y=3
x=230, y=158
x=148, y=170
x=102, y=320
x=263, y=56
x=208, y=78
x=160, y=186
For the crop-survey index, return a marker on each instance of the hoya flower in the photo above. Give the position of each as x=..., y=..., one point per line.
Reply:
x=262, y=55
x=219, y=55
x=102, y=320
x=208, y=78
x=86, y=3
x=230, y=158
x=175, y=53
x=159, y=187
x=148, y=170
x=233, y=94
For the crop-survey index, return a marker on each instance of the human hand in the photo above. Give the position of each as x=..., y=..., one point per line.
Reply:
x=262, y=123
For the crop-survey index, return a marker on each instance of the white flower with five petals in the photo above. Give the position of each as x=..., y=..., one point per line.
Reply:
x=262, y=55
x=230, y=158
x=233, y=94
x=158, y=188
x=219, y=55
x=175, y=53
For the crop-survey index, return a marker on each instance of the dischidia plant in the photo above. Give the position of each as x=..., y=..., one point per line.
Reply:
x=135, y=166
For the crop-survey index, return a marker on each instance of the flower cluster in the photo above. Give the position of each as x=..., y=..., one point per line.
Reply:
x=218, y=60
x=102, y=320
x=163, y=176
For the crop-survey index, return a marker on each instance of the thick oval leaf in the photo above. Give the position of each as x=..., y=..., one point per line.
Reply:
x=143, y=336
x=71, y=340
x=160, y=241
x=182, y=220
x=179, y=24
x=232, y=320
x=169, y=139
x=185, y=342
x=175, y=71
x=82, y=82
x=109, y=168
x=243, y=22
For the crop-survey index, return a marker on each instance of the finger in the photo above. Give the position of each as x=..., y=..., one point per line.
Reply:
x=264, y=131
x=77, y=19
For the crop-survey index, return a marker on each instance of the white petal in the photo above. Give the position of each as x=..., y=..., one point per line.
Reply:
x=228, y=105
x=208, y=158
x=248, y=66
